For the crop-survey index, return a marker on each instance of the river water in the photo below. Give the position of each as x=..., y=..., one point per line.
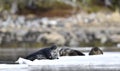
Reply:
x=109, y=61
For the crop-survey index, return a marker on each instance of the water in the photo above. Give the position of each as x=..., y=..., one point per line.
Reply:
x=107, y=62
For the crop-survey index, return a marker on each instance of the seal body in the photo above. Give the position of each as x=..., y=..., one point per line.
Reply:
x=70, y=52
x=95, y=51
x=45, y=53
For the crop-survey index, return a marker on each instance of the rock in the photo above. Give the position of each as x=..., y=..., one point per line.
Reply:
x=68, y=31
x=73, y=43
x=118, y=45
x=103, y=37
x=115, y=38
x=53, y=38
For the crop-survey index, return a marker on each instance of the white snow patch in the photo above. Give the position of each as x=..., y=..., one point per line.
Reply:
x=10, y=66
x=106, y=59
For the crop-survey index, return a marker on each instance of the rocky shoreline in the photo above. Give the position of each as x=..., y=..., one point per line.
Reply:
x=82, y=29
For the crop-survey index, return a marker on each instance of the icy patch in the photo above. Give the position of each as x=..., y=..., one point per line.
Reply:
x=107, y=62
x=7, y=66
x=106, y=59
